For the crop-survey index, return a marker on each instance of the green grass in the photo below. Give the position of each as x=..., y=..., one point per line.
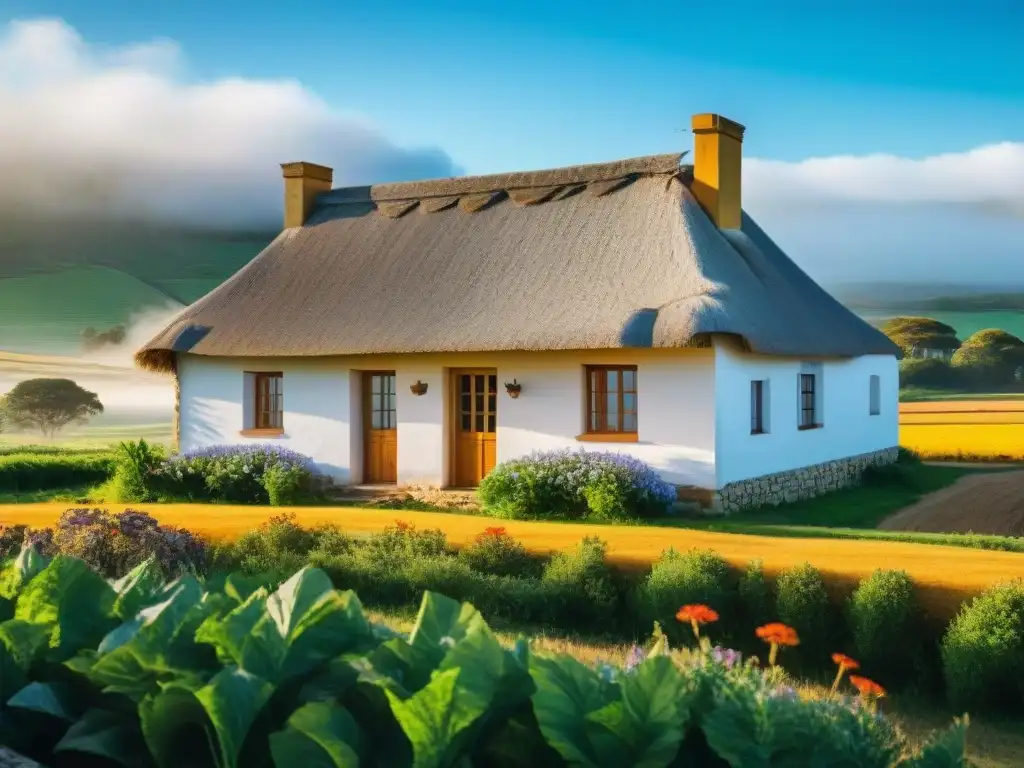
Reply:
x=77, y=495
x=916, y=395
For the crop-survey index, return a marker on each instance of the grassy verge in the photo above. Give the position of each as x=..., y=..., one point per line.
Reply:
x=993, y=742
x=918, y=395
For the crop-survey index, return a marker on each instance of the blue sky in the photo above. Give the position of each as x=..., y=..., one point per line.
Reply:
x=526, y=85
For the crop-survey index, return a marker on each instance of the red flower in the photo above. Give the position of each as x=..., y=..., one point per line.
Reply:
x=494, y=532
x=844, y=661
x=869, y=689
x=403, y=526
x=777, y=633
x=697, y=613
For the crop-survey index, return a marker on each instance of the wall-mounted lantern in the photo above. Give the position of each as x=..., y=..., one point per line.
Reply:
x=513, y=389
x=419, y=388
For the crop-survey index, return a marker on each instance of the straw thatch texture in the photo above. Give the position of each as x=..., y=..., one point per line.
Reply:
x=602, y=256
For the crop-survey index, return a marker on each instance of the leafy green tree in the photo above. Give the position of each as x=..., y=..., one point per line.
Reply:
x=49, y=405
x=990, y=357
x=913, y=334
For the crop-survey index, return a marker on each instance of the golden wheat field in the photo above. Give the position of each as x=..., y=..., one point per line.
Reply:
x=946, y=576
x=982, y=429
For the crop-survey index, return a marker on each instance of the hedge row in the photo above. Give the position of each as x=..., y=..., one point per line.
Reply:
x=34, y=470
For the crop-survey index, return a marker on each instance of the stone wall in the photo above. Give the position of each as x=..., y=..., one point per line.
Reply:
x=803, y=483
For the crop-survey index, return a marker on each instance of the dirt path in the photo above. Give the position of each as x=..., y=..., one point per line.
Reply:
x=946, y=576
x=983, y=503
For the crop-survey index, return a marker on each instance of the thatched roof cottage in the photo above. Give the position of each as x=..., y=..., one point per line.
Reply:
x=420, y=332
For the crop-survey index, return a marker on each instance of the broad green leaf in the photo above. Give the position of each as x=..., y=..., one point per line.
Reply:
x=441, y=623
x=317, y=735
x=12, y=675
x=46, y=698
x=6, y=609
x=139, y=588
x=72, y=602
x=22, y=641
x=396, y=663
x=651, y=719
x=567, y=694
x=305, y=623
x=239, y=587
x=25, y=567
x=229, y=704
x=434, y=716
x=332, y=681
x=107, y=734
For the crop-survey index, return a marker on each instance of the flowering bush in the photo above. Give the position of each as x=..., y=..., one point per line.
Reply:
x=236, y=473
x=114, y=543
x=575, y=484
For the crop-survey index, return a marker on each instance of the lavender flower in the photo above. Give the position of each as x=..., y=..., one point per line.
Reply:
x=727, y=657
x=635, y=657
x=783, y=692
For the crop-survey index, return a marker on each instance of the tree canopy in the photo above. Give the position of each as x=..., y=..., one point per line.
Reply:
x=909, y=333
x=990, y=357
x=49, y=405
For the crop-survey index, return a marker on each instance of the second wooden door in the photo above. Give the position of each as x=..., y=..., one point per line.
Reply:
x=381, y=427
x=475, y=430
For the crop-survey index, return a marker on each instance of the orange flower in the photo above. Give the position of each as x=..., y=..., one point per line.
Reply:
x=777, y=634
x=844, y=662
x=869, y=689
x=403, y=526
x=697, y=614
x=492, y=532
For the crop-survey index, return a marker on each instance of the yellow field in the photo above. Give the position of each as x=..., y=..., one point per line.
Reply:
x=946, y=576
x=983, y=429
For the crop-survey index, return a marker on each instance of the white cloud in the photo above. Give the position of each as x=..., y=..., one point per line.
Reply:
x=988, y=177
x=85, y=129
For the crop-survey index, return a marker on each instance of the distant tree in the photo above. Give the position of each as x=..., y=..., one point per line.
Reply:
x=929, y=373
x=915, y=334
x=49, y=405
x=990, y=358
x=93, y=339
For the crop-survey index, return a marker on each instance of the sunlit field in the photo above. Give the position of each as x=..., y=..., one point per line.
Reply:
x=964, y=429
x=946, y=576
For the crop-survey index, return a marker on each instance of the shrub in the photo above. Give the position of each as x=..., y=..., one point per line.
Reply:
x=755, y=597
x=285, y=485
x=575, y=484
x=898, y=475
x=584, y=590
x=802, y=602
x=37, y=471
x=133, y=472
x=886, y=627
x=114, y=543
x=983, y=650
x=929, y=373
x=279, y=545
x=697, y=576
x=402, y=542
x=235, y=473
x=213, y=680
x=497, y=553
x=11, y=539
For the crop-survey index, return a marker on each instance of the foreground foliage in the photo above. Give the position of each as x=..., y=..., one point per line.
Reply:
x=140, y=672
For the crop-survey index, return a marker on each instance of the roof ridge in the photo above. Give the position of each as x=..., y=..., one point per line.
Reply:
x=649, y=165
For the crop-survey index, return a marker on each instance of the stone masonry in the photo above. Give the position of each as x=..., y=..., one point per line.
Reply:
x=796, y=484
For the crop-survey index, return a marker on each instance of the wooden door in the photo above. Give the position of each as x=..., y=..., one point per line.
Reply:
x=381, y=427
x=476, y=421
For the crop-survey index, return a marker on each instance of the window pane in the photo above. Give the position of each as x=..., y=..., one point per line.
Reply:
x=629, y=402
x=479, y=423
x=375, y=402
x=593, y=422
x=375, y=420
x=492, y=383
x=479, y=383
x=492, y=403
x=629, y=422
x=629, y=381
x=389, y=383
x=491, y=423
x=479, y=401
x=612, y=381
x=466, y=420
x=464, y=383
x=595, y=381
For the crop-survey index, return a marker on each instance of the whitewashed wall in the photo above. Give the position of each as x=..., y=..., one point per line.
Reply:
x=676, y=421
x=848, y=428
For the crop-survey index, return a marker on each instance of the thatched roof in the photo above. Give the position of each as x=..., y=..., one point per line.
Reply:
x=589, y=257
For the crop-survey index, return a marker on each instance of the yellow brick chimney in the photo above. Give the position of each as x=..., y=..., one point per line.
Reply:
x=717, y=167
x=302, y=183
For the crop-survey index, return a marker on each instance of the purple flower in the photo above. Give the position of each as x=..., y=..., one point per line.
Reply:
x=727, y=657
x=635, y=657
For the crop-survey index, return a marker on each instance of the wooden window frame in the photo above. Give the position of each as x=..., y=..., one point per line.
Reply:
x=602, y=434
x=757, y=407
x=804, y=423
x=261, y=426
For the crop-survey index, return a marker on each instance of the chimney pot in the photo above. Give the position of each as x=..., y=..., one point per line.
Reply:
x=717, y=168
x=302, y=183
